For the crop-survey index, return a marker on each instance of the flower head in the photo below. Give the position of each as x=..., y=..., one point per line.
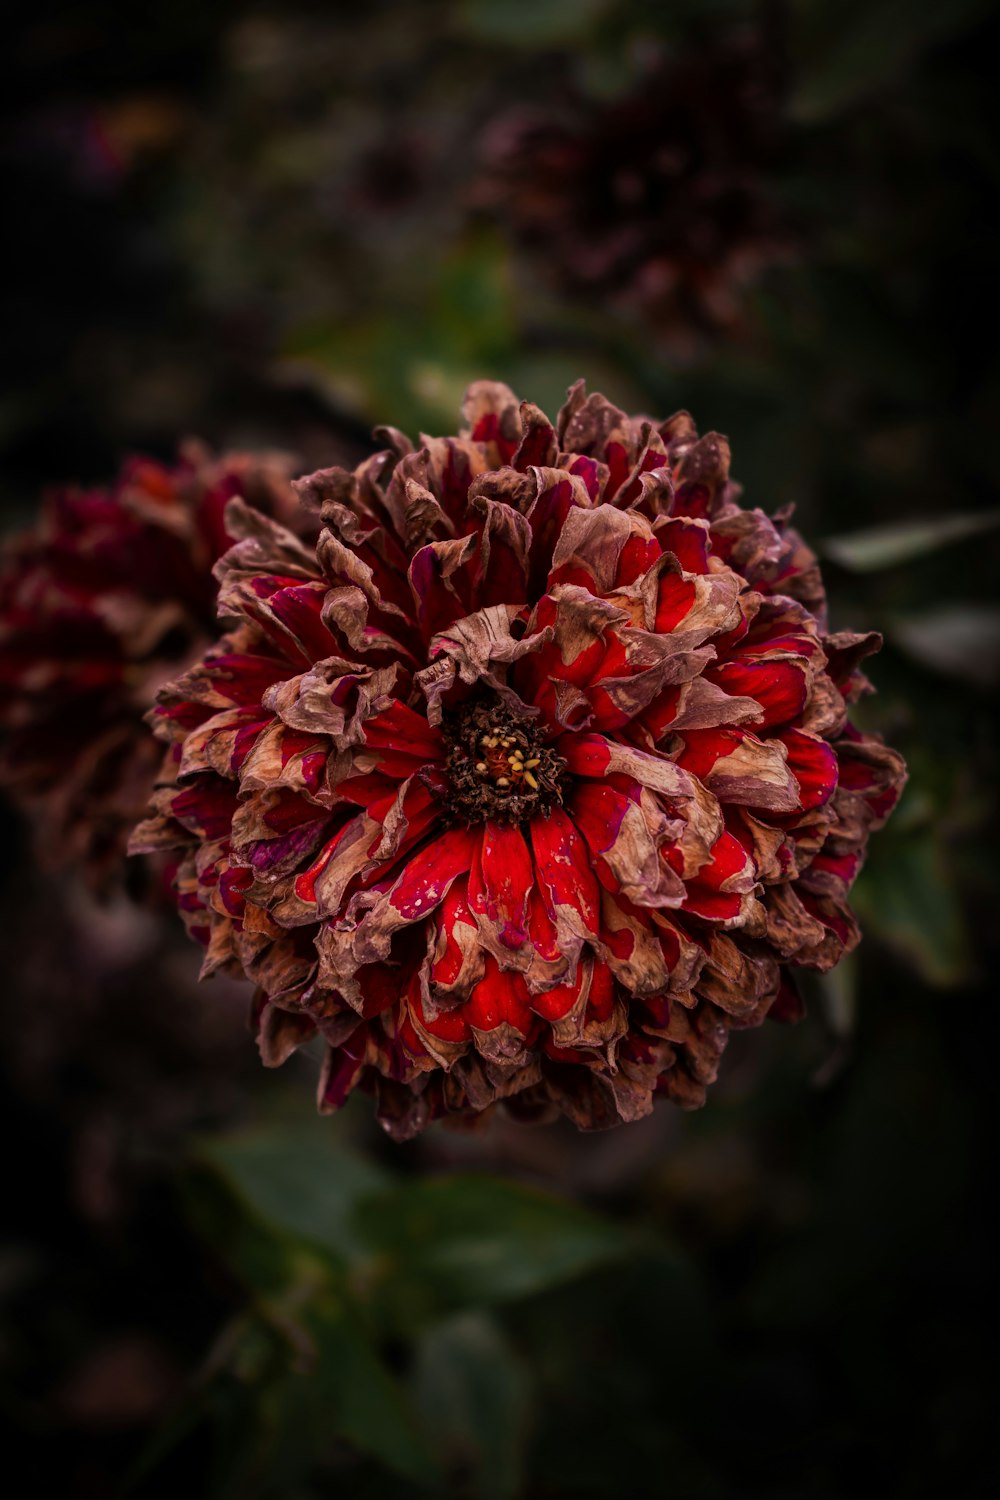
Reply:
x=107, y=596
x=530, y=780
x=656, y=200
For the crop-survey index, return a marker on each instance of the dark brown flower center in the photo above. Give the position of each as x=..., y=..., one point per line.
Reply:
x=497, y=767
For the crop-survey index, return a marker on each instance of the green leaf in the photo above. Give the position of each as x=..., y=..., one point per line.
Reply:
x=299, y=1179
x=410, y=360
x=839, y=997
x=355, y=1391
x=858, y=55
x=543, y=22
x=260, y=1259
x=450, y=1242
x=472, y=1393
x=960, y=640
x=887, y=546
x=907, y=896
x=472, y=1241
x=315, y=1376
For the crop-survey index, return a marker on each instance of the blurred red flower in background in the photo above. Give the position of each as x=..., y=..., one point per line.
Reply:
x=529, y=781
x=100, y=602
x=657, y=200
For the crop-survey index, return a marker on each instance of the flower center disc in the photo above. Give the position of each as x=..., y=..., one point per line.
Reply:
x=496, y=766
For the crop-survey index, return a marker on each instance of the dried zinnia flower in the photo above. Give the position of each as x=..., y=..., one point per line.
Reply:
x=105, y=598
x=528, y=782
x=657, y=200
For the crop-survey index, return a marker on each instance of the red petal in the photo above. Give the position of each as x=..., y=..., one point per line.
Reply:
x=729, y=858
x=206, y=808
x=399, y=728
x=441, y=599
x=498, y=997
x=585, y=754
x=598, y=812
x=813, y=763
x=503, y=571
x=713, y=906
x=780, y=687
x=542, y=931
x=487, y=430
x=297, y=606
x=637, y=557
x=430, y=872
x=787, y=1004
x=703, y=747
x=558, y=1002
x=564, y=869
x=590, y=471
x=546, y=517
x=454, y=910
x=342, y=1069
x=374, y=792
x=689, y=543
x=500, y=882
x=616, y=458
x=537, y=447
x=381, y=986
x=843, y=867
x=674, y=601
x=448, y=1025
x=601, y=1000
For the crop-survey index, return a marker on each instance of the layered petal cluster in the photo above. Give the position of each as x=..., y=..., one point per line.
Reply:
x=531, y=779
x=107, y=596
x=656, y=199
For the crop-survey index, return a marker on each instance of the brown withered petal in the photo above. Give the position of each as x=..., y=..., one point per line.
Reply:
x=531, y=779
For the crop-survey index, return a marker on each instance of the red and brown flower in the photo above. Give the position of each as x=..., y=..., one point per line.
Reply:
x=108, y=596
x=529, y=781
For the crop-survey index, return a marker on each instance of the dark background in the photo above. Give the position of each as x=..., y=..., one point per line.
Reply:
x=281, y=224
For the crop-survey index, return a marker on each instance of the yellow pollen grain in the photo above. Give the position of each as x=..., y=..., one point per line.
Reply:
x=481, y=767
x=529, y=765
x=531, y=781
x=502, y=781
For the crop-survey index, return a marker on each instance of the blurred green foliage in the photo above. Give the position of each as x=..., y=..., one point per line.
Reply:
x=344, y=1270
